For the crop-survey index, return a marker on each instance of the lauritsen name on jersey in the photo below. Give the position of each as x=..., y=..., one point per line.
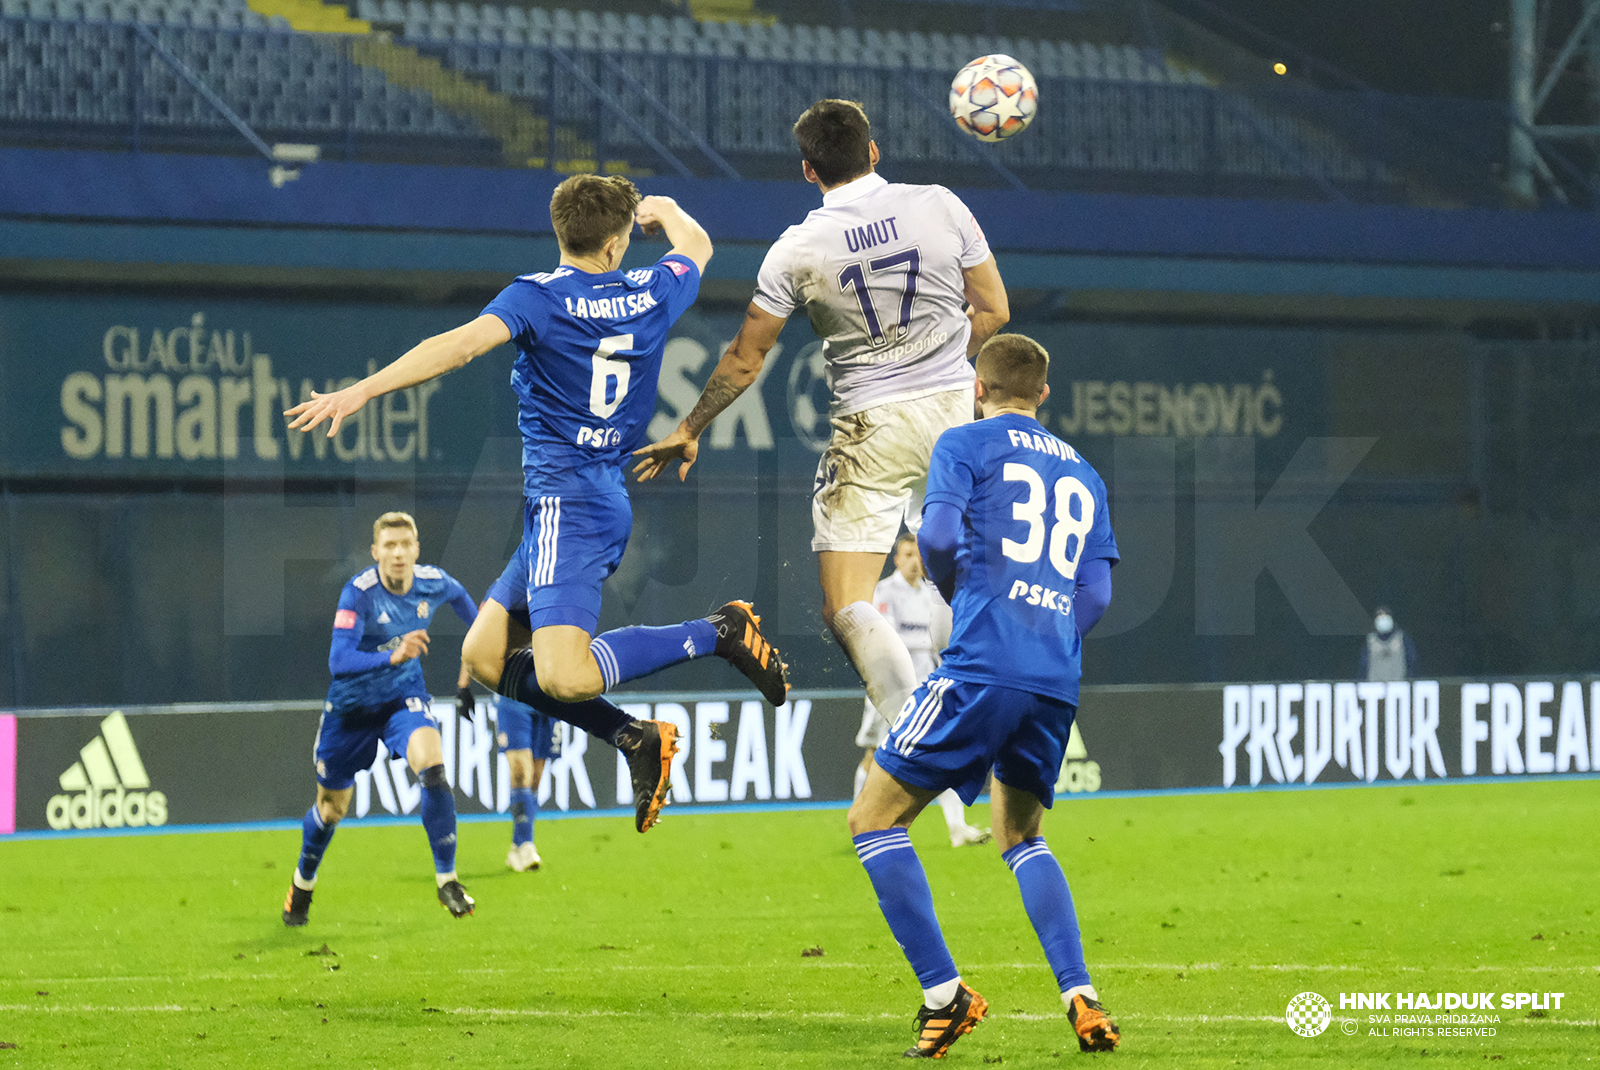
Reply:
x=619, y=307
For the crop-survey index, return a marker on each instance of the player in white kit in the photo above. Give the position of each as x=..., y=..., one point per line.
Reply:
x=916, y=611
x=899, y=283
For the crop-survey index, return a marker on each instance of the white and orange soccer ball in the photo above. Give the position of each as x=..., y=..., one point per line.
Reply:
x=993, y=98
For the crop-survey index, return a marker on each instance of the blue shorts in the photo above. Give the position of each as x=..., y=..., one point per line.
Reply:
x=522, y=727
x=951, y=732
x=347, y=741
x=570, y=547
x=511, y=589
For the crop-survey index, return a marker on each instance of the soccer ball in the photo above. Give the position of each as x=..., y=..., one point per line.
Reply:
x=993, y=98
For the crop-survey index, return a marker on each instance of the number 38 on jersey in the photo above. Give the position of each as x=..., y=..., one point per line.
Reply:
x=1070, y=507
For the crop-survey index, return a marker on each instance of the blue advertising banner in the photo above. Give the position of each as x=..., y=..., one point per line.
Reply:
x=149, y=387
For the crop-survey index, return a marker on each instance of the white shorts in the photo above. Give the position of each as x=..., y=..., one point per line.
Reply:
x=873, y=727
x=871, y=477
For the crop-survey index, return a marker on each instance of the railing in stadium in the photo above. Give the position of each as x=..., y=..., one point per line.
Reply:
x=373, y=98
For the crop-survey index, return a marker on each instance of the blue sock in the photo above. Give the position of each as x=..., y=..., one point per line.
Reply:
x=524, y=807
x=907, y=903
x=314, y=837
x=439, y=818
x=629, y=653
x=599, y=718
x=1049, y=904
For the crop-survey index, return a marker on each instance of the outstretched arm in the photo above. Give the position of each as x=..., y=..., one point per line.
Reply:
x=737, y=369
x=985, y=291
x=428, y=359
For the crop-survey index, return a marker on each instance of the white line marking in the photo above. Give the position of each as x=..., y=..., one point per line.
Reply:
x=598, y=1012
x=56, y=1009
x=1216, y=967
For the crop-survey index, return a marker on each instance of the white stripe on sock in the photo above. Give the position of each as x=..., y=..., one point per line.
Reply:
x=878, y=846
x=1016, y=860
x=606, y=658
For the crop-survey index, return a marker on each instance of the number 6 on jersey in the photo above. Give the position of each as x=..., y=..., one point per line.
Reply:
x=605, y=370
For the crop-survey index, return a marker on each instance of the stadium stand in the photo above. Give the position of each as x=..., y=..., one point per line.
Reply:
x=634, y=92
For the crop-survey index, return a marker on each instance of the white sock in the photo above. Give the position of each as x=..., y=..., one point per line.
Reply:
x=940, y=995
x=955, y=812
x=303, y=884
x=878, y=655
x=445, y=878
x=1086, y=991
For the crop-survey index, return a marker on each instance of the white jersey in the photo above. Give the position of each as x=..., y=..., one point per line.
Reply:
x=878, y=269
x=913, y=611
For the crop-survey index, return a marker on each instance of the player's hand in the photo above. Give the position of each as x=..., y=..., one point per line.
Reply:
x=651, y=209
x=412, y=645
x=678, y=446
x=335, y=406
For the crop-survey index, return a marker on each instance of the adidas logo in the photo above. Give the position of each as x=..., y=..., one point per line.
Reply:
x=1078, y=773
x=383, y=618
x=108, y=786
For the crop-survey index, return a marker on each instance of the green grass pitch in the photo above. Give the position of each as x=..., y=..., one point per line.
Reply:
x=1202, y=915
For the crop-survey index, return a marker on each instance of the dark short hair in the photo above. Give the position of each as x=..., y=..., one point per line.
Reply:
x=1013, y=367
x=588, y=209
x=905, y=536
x=834, y=138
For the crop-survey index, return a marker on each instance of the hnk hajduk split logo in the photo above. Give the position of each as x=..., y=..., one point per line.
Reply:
x=1308, y=1014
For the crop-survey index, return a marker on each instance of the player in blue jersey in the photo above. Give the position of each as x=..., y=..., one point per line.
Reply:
x=527, y=737
x=589, y=339
x=380, y=633
x=1017, y=536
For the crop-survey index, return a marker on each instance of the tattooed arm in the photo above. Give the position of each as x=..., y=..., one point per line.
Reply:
x=735, y=372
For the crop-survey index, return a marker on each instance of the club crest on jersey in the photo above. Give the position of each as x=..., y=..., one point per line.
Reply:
x=422, y=610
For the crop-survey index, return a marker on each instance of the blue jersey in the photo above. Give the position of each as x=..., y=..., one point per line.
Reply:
x=368, y=625
x=1032, y=512
x=588, y=358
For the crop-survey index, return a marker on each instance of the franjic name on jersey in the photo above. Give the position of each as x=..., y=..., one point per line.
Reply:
x=193, y=393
